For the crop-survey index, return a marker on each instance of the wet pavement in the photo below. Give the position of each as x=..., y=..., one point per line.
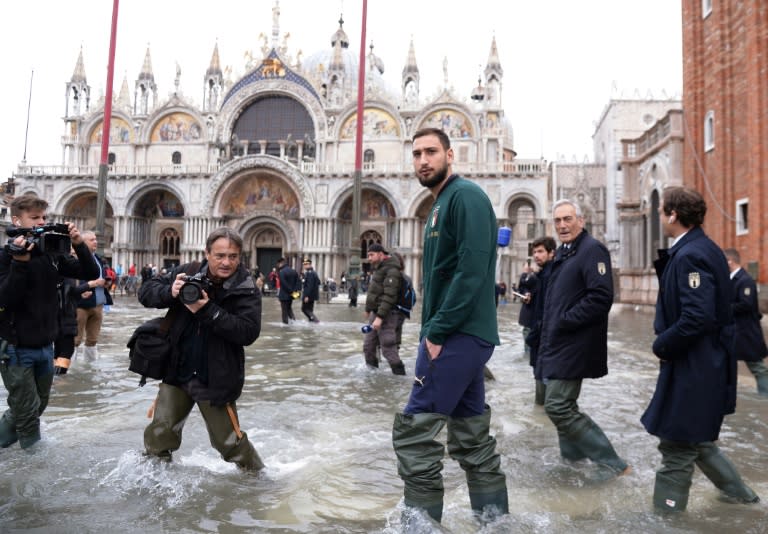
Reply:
x=322, y=423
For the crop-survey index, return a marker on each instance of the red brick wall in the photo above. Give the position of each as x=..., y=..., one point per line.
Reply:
x=725, y=69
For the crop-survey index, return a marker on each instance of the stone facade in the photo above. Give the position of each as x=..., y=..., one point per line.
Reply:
x=271, y=154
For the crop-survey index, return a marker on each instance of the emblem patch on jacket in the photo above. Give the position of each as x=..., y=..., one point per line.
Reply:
x=434, y=216
x=747, y=291
x=694, y=280
x=601, y=268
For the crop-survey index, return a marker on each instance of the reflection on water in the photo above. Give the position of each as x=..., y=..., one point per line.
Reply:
x=322, y=423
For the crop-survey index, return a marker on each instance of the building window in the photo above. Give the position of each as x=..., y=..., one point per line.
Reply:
x=169, y=242
x=709, y=131
x=706, y=8
x=176, y=158
x=111, y=158
x=369, y=159
x=742, y=216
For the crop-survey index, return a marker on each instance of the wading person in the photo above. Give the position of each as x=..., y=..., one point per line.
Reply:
x=94, y=294
x=573, y=342
x=29, y=320
x=457, y=338
x=694, y=330
x=310, y=291
x=750, y=342
x=289, y=284
x=381, y=310
x=209, y=330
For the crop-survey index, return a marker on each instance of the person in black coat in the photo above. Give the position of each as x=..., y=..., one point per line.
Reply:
x=694, y=330
x=290, y=289
x=573, y=344
x=310, y=291
x=528, y=285
x=750, y=342
x=207, y=365
x=543, y=249
x=64, y=344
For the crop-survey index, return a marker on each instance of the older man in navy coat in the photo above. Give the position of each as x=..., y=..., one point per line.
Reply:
x=750, y=342
x=573, y=344
x=696, y=387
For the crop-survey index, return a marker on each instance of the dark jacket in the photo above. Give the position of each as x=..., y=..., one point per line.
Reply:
x=68, y=297
x=289, y=282
x=696, y=386
x=384, y=288
x=311, y=285
x=574, y=329
x=29, y=294
x=231, y=320
x=529, y=283
x=750, y=342
x=537, y=314
x=90, y=300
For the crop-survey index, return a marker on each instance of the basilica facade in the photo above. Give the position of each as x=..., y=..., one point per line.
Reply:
x=271, y=154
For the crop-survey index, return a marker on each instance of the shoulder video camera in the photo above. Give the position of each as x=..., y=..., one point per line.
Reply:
x=52, y=239
x=193, y=288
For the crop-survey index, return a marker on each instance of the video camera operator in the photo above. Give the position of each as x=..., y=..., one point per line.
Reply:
x=207, y=364
x=29, y=313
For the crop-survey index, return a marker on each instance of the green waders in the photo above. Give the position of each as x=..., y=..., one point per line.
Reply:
x=760, y=371
x=163, y=435
x=27, y=399
x=420, y=460
x=470, y=444
x=723, y=474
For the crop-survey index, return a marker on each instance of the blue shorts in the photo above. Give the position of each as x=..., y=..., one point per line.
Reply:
x=452, y=384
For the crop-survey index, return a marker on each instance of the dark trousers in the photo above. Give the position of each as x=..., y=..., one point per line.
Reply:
x=308, y=309
x=287, y=310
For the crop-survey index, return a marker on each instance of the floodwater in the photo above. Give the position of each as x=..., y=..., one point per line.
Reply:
x=322, y=423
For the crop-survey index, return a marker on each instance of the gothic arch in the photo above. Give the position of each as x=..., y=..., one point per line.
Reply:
x=387, y=115
x=250, y=228
x=345, y=195
x=141, y=191
x=193, y=132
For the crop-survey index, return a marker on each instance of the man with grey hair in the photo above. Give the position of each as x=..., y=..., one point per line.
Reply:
x=94, y=294
x=573, y=342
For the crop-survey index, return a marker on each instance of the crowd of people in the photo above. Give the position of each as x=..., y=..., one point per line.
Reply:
x=706, y=318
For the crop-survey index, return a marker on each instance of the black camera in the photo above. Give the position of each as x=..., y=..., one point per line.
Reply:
x=193, y=288
x=52, y=239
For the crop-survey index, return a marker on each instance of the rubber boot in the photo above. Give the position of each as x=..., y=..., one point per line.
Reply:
x=23, y=403
x=44, y=384
x=488, y=374
x=723, y=474
x=541, y=392
x=163, y=435
x=592, y=441
x=227, y=438
x=762, y=386
x=669, y=494
x=420, y=460
x=8, y=434
x=470, y=444
x=244, y=455
x=398, y=368
x=569, y=450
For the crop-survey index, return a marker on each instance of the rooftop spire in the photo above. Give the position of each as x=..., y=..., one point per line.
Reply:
x=146, y=68
x=340, y=35
x=494, y=65
x=215, y=67
x=79, y=74
x=410, y=63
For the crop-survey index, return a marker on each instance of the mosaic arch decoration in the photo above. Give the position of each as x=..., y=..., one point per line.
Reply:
x=373, y=205
x=159, y=204
x=119, y=131
x=260, y=192
x=452, y=122
x=176, y=127
x=376, y=123
x=84, y=206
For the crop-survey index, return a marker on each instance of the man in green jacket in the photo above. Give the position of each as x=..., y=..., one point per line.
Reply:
x=458, y=335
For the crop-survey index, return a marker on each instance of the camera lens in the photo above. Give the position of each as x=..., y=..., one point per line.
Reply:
x=190, y=292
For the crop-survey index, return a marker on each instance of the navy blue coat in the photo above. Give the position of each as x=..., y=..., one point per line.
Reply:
x=574, y=330
x=750, y=343
x=289, y=282
x=311, y=285
x=694, y=328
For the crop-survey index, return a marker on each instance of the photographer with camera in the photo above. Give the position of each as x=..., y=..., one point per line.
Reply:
x=31, y=264
x=217, y=313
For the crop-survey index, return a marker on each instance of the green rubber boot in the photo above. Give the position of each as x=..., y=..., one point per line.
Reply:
x=8, y=435
x=470, y=444
x=670, y=494
x=723, y=474
x=24, y=405
x=420, y=460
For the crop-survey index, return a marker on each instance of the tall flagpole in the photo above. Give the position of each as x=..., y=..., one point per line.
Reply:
x=29, y=106
x=101, y=197
x=354, y=249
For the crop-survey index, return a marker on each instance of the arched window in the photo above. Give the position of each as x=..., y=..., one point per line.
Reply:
x=169, y=242
x=176, y=158
x=111, y=158
x=369, y=159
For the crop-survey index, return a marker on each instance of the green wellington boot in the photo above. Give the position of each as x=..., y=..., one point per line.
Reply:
x=723, y=474
x=669, y=494
x=470, y=443
x=420, y=460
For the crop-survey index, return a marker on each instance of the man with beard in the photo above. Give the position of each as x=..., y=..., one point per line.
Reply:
x=694, y=330
x=458, y=335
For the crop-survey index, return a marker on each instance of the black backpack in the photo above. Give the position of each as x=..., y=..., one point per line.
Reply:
x=406, y=300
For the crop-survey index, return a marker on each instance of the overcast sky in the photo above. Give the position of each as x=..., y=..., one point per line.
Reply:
x=562, y=59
